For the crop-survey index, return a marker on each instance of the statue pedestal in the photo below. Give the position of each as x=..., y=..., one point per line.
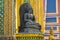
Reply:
x=30, y=28
x=29, y=36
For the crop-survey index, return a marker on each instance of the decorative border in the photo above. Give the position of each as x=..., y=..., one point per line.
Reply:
x=1, y=17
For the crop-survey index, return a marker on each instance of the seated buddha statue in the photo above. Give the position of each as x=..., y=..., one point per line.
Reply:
x=27, y=20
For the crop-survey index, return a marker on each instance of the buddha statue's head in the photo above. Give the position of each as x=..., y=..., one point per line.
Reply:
x=26, y=8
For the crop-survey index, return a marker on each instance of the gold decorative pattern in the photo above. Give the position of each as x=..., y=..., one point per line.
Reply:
x=8, y=17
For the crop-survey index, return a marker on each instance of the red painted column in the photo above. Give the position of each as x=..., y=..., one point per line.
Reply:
x=59, y=13
x=59, y=6
x=59, y=20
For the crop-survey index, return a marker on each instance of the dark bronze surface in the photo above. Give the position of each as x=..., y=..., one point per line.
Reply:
x=27, y=20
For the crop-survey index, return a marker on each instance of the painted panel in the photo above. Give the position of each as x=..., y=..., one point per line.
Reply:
x=51, y=6
x=48, y=28
x=50, y=19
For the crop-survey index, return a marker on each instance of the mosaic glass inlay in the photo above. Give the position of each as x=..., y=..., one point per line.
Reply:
x=1, y=17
